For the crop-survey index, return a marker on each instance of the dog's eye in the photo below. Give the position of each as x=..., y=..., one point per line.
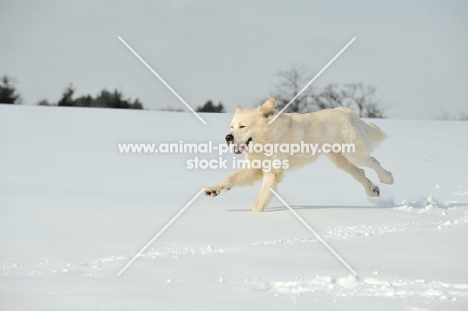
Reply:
x=241, y=126
x=232, y=126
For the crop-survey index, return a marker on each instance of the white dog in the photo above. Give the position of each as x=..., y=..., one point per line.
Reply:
x=331, y=126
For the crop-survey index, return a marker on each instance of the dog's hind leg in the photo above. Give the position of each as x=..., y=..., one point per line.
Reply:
x=270, y=180
x=385, y=176
x=342, y=163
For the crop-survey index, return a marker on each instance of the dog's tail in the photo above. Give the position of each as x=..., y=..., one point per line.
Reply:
x=375, y=133
x=371, y=134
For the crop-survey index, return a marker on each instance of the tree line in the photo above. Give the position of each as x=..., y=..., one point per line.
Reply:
x=104, y=99
x=359, y=97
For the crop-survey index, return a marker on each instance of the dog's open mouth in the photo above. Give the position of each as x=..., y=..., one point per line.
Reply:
x=242, y=148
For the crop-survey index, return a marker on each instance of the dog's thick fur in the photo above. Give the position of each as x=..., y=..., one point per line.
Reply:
x=331, y=126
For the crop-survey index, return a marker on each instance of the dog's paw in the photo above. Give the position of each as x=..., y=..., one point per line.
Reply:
x=373, y=191
x=212, y=191
x=258, y=209
x=387, y=179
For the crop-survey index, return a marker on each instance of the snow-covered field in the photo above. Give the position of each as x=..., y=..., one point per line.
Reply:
x=74, y=211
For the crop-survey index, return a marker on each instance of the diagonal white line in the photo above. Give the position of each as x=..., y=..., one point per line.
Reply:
x=162, y=80
x=160, y=232
x=315, y=233
x=313, y=79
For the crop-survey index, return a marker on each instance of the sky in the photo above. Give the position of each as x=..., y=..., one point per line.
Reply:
x=414, y=52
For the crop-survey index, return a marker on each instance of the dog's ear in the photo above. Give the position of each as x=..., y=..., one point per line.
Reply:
x=267, y=107
x=238, y=109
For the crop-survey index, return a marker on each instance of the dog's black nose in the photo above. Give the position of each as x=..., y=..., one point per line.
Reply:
x=229, y=138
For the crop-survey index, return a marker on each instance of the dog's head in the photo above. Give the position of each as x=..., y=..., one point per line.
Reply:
x=250, y=125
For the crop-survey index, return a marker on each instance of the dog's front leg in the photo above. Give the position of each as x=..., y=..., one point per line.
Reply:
x=241, y=178
x=270, y=180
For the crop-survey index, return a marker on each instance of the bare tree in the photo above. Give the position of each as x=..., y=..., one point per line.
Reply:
x=329, y=97
x=44, y=102
x=462, y=114
x=357, y=96
x=363, y=99
x=291, y=81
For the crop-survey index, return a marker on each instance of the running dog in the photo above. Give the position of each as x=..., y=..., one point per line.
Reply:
x=326, y=127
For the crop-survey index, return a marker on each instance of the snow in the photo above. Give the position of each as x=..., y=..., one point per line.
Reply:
x=74, y=211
